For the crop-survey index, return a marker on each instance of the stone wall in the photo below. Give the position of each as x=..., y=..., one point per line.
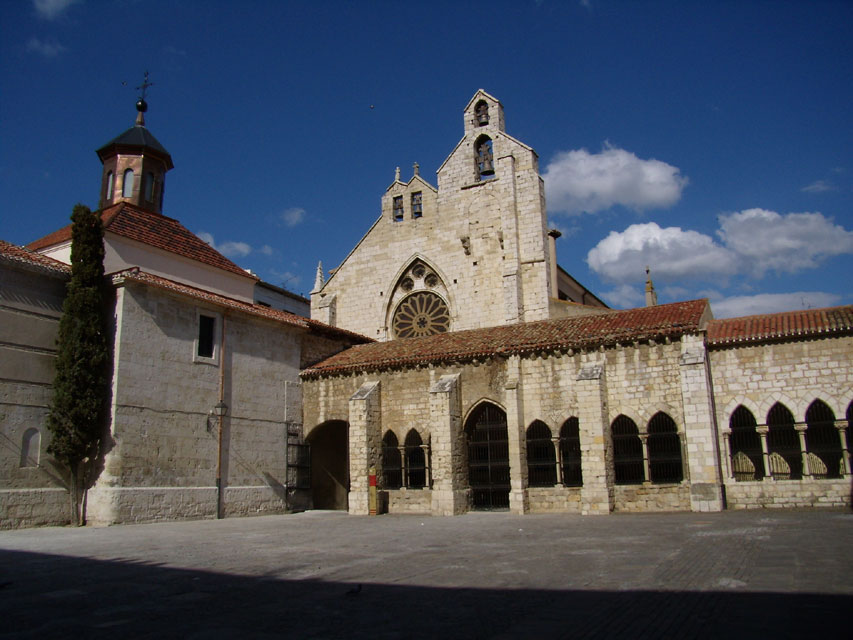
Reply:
x=794, y=373
x=162, y=461
x=32, y=487
x=635, y=380
x=484, y=239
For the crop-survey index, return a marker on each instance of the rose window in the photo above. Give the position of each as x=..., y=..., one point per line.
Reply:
x=421, y=314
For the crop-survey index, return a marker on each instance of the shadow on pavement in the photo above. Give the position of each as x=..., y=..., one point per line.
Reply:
x=50, y=596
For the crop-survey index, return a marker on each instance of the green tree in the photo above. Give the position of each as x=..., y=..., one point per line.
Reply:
x=76, y=418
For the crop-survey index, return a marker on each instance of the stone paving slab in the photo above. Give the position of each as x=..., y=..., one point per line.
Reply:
x=482, y=575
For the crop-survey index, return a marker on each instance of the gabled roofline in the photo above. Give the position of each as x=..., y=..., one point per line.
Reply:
x=477, y=95
x=334, y=272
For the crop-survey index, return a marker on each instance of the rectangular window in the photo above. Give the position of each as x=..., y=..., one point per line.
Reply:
x=398, y=208
x=206, y=333
x=417, y=204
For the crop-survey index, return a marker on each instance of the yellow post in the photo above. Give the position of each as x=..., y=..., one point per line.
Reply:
x=371, y=492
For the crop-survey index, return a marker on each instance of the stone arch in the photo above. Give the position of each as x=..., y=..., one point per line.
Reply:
x=329, y=464
x=650, y=411
x=477, y=404
x=416, y=460
x=392, y=461
x=628, y=456
x=628, y=412
x=407, y=282
x=823, y=441
x=541, y=455
x=488, y=456
x=725, y=416
x=768, y=401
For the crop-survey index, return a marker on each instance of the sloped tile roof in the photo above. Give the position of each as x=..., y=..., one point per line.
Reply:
x=136, y=136
x=545, y=335
x=14, y=253
x=153, y=229
x=285, y=317
x=777, y=326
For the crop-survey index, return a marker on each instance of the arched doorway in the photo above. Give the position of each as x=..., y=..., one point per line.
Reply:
x=488, y=457
x=329, y=465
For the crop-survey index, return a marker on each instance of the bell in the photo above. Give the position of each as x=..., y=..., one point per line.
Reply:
x=482, y=114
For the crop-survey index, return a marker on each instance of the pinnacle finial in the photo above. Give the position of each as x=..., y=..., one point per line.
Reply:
x=417, y=169
x=651, y=296
x=319, y=281
x=397, y=175
x=141, y=105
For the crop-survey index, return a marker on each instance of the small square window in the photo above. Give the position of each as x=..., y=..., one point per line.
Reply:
x=398, y=208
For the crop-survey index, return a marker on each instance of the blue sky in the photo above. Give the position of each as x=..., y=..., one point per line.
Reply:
x=711, y=141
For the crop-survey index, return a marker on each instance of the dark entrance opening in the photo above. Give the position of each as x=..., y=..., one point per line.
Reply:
x=329, y=465
x=488, y=457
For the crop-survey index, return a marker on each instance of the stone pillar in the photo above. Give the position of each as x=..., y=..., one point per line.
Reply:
x=427, y=465
x=727, y=441
x=644, y=439
x=365, y=443
x=700, y=430
x=596, y=442
x=845, y=454
x=765, y=450
x=801, y=432
x=517, y=442
x=450, y=493
x=559, y=459
x=403, y=465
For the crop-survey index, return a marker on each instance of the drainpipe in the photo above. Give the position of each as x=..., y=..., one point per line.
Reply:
x=219, y=514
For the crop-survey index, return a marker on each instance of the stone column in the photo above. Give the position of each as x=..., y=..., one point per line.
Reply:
x=450, y=493
x=801, y=432
x=517, y=442
x=403, y=465
x=427, y=461
x=647, y=474
x=700, y=428
x=727, y=441
x=559, y=458
x=595, y=439
x=765, y=450
x=845, y=454
x=365, y=443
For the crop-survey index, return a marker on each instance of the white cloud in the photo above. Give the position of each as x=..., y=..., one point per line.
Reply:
x=229, y=248
x=52, y=9
x=288, y=279
x=293, y=216
x=234, y=249
x=266, y=250
x=765, y=240
x=752, y=242
x=670, y=252
x=819, y=186
x=48, y=49
x=771, y=303
x=579, y=181
x=624, y=296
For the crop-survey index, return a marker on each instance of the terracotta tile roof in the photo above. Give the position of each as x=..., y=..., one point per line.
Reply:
x=776, y=326
x=285, y=317
x=545, y=335
x=153, y=229
x=14, y=253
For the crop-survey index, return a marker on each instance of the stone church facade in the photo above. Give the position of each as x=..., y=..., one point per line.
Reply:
x=498, y=381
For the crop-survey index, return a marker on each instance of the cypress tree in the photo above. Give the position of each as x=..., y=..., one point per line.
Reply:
x=76, y=418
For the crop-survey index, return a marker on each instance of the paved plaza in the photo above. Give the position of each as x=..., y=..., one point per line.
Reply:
x=483, y=575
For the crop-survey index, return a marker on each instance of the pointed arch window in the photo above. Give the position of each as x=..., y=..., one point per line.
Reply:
x=783, y=443
x=416, y=461
x=127, y=184
x=570, y=453
x=392, y=467
x=541, y=458
x=627, y=451
x=823, y=441
x=745, y=443
x=485, y=158
x=665, y=464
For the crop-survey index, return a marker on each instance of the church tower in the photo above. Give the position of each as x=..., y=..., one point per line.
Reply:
x=135, y=165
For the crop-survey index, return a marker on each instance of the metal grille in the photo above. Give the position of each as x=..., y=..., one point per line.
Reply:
x=782, y=438
x=392, y=467
x=415, y=461
x=823, y=440
x=570, y=453
x=746, y=439
x=299, y=466
x=488, y=458
x=627, y=452
x=541, y=458
x=665, y=463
